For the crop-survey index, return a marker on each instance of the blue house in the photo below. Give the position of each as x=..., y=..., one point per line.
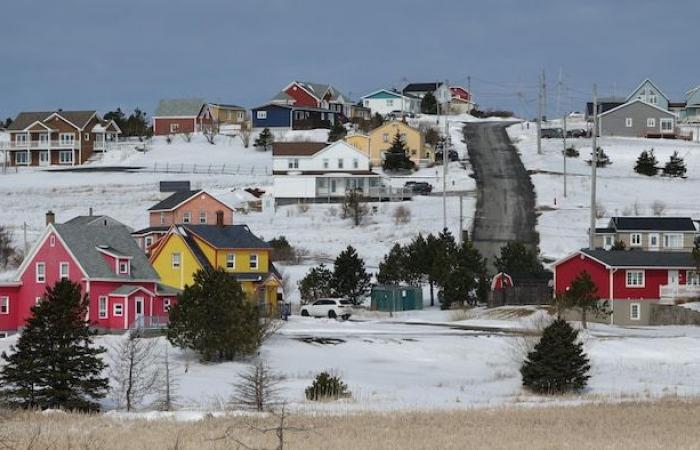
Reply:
x=273, y=115
x=648, y=92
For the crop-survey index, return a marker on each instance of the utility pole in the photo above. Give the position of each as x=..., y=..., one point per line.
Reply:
x=539, y=114
x=544, y=95
x=559, y=92
x=461, y=219
x=445, y=151
x=26, y=243
x=564, y=134
x=594, y=167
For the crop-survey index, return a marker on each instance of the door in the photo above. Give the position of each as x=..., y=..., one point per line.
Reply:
x=673, y=281
x=138, y=308
x=43, y=158
x=653, y=241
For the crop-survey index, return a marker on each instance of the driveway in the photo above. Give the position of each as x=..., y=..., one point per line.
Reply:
x=505, y=208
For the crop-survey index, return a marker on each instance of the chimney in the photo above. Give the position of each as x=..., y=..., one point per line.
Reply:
x=50, y=217
x=90, y=212
x=219, y=218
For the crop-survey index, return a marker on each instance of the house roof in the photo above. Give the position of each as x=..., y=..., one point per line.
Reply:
x=652, y=224
x=297, y=148
x=25, y=119
x=179, y=107
x=93, y=220
x=390, y=92
x=625, y=105
x=150, y=230
x=677, y=104
x=647, y=80
x=330, y=173
x=226, y=106
x=638, y=258
x=84, y=242
x=174, y=200
x=422, y=87
x=127, y=289
x=282, y=96
x=227, y=236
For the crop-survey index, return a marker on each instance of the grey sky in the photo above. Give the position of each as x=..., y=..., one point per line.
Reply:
x=97, y=54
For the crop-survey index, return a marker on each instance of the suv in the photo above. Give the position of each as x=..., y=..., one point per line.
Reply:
x=328, y=307
x=419, y=187
x=552, y=133
x=452, y=155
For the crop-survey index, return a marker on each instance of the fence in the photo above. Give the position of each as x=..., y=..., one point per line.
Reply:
x=520, y=295
x=150, y=323
x=208, y=169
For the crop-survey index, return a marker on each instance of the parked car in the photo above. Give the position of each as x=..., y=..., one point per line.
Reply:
x=419, y=187
x=577, y=133
x=552, y=133
x=397, y=114
x=328, y=307
x=452, y=155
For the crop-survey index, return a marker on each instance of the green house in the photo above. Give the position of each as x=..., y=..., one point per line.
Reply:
x=391, y=297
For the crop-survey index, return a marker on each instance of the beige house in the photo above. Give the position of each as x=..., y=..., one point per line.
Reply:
x=378, y=141
x=648, y=233
x=222, y=115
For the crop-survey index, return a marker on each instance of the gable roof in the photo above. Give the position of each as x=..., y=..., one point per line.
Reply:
x=422, y=87
x=625, y=105
x=93, y=220
x=652, y=224
x=25, y=119
x=297, y=148
x=638, y=258
x=394, y=94
x=226, y=106
x=179, y=107
x=646, y=80
x=227, y=236
x=174, y=200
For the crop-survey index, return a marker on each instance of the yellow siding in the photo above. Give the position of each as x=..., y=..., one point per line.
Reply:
x=360, y=142
x=207, y=249
x=380, y=141
x=176, y=277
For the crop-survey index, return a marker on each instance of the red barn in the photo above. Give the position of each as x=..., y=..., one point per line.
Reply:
x=633, y=280
x=178, y=116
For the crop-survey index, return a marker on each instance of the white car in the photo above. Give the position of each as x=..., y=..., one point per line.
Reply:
x=328, y=307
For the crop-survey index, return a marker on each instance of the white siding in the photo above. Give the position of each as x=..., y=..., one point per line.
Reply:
x=299, y=186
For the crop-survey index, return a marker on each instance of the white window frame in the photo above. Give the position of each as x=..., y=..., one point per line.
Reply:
x=629, y=122
x=651, y=122
x=325, y=163
x=390, y=102
x=692, y=278
x=652, y=237
x=635, y=282
x=166, y=304
x=608, y=241
x=21, y=158
x=123, y=264
x=635, y=239
x=40, y=277
x=5, y=305
x=666, y=121
x=162, y=218
x=62, y=159
x=668, y=237
x=52, y=241
x=340, y=163
x=652, y=99
x=293, y=163
x=203, y=217
x=21, y=138
x=86, y=137
x=230, y=260
x=176, y=260
x=102, y=307
x=187, y=217
x=174, y=127
x=117, y=309
x=66, y=139
x=635, y=308
x=261, y=115
x=253, y=261
x=385, y=137
x=44, y=138
x=61, y=274
x=355, y=163
x=147, y=242
x=37, y=300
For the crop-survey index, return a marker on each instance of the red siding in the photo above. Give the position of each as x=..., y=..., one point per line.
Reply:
x=567, y=271
x=8, y=322
x=302, y=97
x=653, y=278
x=161, y=125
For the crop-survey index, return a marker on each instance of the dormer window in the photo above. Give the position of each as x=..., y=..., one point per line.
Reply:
x=124, y=267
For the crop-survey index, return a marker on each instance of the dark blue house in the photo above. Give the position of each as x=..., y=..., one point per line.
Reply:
x=274, y=115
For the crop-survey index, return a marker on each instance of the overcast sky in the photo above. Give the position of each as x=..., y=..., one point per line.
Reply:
x=95, y=54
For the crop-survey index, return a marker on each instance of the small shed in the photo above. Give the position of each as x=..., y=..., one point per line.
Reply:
x=391, y=297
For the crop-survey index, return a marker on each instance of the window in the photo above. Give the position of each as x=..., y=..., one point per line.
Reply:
x=147, y=241
x=229, y=115
x=340, y=163
x=37, y=300
x=635, y=239
x=230, y=260
x=385, y=137
x=102, y=307
x=174, y=127
x=87, y=137
x=66, y=139
x=325, y=163
x=674, y=240
x=262, y=115
x=692, y=278
x=355, y=163
x=293, y=163
x=389, y=103
x=40, y=272
x=162, y=218
x=635, y=311
x=202, y=217
x=653, y=240
x=608, y=242
x=21, y=158
x=365, y=103
x=21, y=139
x=4, y=305
x=666, y=125
x=65, y=157
x=635, y=278
x=187, y=217
x=117, y=309
x=652, y=99
x=64, y=271
x=52, y=241
x=124, y=267
x=253, y=261
x=651, y=122
x=239, y=116
x=166, y=304
x=175, y=260
x=43, y=138
x=628, y=122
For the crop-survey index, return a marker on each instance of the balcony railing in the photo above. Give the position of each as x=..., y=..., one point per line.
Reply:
x=38, y=145
x=150, y=323
x=670, y=293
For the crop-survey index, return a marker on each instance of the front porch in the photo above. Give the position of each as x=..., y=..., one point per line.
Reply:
x=670, y=294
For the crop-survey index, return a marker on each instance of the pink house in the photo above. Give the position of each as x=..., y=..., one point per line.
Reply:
x=99, y=254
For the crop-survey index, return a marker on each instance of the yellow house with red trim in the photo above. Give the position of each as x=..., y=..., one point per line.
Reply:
x=186, y=249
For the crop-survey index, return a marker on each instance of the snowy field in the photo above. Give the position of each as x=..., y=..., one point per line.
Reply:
x=563, y=223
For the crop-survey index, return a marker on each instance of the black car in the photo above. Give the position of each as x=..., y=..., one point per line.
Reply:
x=552, y=133
x=419, y=187
x=452, y=155
x=577, y=133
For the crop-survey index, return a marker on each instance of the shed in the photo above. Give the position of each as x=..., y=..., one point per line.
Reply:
x=391, y=297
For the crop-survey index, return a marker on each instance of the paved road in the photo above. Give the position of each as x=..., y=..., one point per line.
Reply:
x=505, y=209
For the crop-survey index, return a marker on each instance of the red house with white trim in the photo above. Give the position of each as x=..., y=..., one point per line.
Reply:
x=101, y=256
x=632, y=281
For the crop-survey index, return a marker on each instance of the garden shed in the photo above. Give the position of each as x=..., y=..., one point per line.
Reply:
x=396, y=298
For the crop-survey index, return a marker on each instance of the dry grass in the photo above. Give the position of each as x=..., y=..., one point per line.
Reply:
x=668, y=423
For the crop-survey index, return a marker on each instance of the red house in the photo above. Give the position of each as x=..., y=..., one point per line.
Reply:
x=632, y=281
x=101, y=256
x=178, y=116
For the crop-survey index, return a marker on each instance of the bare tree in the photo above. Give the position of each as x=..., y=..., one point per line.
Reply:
x=186, y=136
x=245, y=133
x=8, y=254
x=354, y=207
x=402, y=215
x=280, y=431
x=132, y=370
x=168, y=383
x=658, y=208
x=210, y=132
x=257, y=388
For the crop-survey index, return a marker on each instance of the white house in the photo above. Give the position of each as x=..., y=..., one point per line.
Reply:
x=318, y=171
x=385, y=101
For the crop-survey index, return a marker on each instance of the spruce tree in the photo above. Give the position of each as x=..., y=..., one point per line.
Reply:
x=396, y=158
x=675, y=167
x=428, y=105
x=558, y=363
x=337, y=131
x=468, y=269
x=393, y=266
x=444, y=260
x=646, y=163
x=317, y=283
x=55, y=364
x=516, y=258
x=350, y=279
x=264, y=140
x=583, y=295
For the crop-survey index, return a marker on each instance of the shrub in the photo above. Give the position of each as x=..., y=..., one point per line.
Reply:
x=571, y=152
x=675, y=167
x=603, y=159
x=618, y=245
x=327, y=387
x=646, y=163
x=402, y=215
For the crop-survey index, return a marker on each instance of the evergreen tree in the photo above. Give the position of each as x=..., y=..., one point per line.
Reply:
x=675, y=167
x=646, y=163
x=392, y=268
x=419, y=260
x=696, y=254
x=558, y=363
x=516, y=258
x=468, y=269
x=337, y=131
x=317, y=283
x=264, y=140
x=350, y=279
x=428, y=105
x=583, y=294
x=444, y=260
x=137, y=125
x=8, y=122
x=214, y=318
x=396, y=158
x=118, y=117
x=603, y=160
x=55, y=364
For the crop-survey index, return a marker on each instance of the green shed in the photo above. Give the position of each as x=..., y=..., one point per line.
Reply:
x=389, y=297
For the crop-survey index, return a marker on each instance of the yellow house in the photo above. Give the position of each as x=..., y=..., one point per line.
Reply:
x=221, y=114
x=379, y=141
x=185, y=249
